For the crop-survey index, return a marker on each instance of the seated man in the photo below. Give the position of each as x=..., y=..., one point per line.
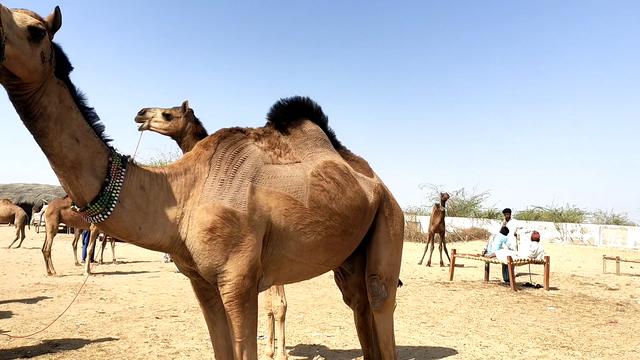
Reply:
x=533, y=250
x=499, y=246
x=499, y=241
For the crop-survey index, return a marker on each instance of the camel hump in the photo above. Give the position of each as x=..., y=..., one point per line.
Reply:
x=287, y=111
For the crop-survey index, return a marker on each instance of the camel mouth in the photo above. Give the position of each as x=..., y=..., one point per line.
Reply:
x=145, y=124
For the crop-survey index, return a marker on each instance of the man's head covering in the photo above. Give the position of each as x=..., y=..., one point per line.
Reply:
x=535, y=236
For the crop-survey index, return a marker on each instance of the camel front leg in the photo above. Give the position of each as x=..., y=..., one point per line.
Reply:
x=214, y=314
x=270, y=348
x=91, y=249
x=240, y=299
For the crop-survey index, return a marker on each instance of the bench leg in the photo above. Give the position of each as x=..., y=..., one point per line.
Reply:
x=547, y=272
x=452, y=265
x=486, y=271
x=604, y=264
x=512, y=275
x=617, y=265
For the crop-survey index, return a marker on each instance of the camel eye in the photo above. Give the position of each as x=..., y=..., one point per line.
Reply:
x=167, y=116
x=36, y=33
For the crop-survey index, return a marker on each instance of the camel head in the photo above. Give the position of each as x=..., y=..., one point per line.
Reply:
x=166, y=121
x=444, y=197
x=26, y=46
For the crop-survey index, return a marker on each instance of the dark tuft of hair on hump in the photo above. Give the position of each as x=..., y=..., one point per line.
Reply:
x=62, y=71
x=287, y=111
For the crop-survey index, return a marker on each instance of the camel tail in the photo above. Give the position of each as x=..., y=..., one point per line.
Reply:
x=287, y=111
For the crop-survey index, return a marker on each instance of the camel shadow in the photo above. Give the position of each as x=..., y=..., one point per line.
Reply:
x=134, y=272
x=309, y=351
x=28, y=301
x=132, y=261
x=49, y=347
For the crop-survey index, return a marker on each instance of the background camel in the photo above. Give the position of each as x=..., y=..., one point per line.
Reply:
x=437, y=226
x=13, y=214
x=244, y=210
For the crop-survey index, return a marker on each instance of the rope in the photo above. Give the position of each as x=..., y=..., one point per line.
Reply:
x=137, y=145
x=54, y=320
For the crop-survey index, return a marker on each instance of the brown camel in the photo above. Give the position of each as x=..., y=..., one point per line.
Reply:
x=181, y=124
x=11, y=213
x=436, y=226
x=59, y=211
x=244, y=210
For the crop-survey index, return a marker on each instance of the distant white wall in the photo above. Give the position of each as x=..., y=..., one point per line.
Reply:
x=583, y=234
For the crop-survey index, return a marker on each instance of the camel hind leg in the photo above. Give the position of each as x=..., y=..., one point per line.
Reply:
x=270, y=348
x=431, y=242
x=16, y=238
x=22, y=235
x=113, y=249
x=102, y=246
x=51, y=231
x=426, y=247
x=443, y=244
x=74, y=245
x=384, y=257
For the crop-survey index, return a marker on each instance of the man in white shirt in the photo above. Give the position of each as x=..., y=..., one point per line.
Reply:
x=513, y=226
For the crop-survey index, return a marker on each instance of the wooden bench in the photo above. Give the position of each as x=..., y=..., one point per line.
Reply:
x=618, y=260
x=511, y=264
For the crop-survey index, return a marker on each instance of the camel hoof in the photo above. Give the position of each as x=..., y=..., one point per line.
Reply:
x=441, y=264
x=78, y=264
x=429, y=264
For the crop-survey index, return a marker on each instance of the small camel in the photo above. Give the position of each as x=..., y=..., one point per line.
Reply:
x=11, y=213
x=436, y=226
x=59, y=211
x=181, y=124
x=246, y=209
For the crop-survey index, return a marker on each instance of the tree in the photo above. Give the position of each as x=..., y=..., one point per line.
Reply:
x=610, y=218
x=162, y=159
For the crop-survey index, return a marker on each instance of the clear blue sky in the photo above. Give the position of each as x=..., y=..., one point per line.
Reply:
x=535, y=101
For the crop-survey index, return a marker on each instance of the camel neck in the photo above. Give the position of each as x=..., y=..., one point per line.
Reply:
x=190, y=137
x=76, y=153
x=79, y=158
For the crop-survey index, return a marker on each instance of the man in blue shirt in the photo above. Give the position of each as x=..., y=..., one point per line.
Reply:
x=499, y=241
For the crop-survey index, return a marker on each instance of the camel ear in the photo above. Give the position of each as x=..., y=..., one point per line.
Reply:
x=54, y=21
x=185, y=106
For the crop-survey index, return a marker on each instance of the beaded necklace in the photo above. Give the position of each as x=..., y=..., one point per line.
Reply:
x=104, y=203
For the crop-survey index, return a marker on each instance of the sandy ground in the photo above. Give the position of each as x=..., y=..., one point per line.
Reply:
x=142, y=309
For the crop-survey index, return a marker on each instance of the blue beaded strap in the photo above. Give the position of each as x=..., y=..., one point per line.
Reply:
x=103, y=205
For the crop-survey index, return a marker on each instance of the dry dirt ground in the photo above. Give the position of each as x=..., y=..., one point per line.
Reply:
x=141, y=308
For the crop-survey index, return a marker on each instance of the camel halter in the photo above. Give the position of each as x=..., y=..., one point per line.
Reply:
x=100, y=208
